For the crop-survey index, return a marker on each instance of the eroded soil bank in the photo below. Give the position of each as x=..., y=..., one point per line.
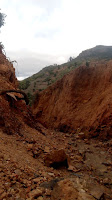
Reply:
x=81, y=100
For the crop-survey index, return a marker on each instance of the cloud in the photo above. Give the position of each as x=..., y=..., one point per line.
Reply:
x=29, y=63
x=53, y=30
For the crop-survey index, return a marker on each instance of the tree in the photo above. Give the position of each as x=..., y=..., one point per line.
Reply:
x=2, y=19
x=70, y=59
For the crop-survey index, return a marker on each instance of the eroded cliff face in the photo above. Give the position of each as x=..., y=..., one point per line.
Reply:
x=7, y=74
x=13, y=112
x=81, y=100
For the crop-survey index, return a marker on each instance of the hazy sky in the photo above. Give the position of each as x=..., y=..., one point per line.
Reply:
x=42, y=32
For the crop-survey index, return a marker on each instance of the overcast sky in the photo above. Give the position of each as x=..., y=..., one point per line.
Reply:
x=38, y=33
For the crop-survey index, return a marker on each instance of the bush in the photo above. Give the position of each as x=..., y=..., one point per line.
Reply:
x=1, y=46
x=30, y=98
x=87, y=64
x=24, y=84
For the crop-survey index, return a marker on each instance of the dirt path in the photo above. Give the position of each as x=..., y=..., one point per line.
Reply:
x=22, y=167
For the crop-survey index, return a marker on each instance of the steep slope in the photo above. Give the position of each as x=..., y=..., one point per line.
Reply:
x=49, y=75
x=13, y=110
x=81, y=100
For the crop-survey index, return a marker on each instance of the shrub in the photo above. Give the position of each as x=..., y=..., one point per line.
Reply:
x=87, y=64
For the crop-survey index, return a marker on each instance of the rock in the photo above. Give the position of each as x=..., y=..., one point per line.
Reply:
x=29, y=147
x=51, y=174
x=35, y=153
x=81, y=135
x=64, y=190
x=56, y=159
x=72, y=168
x=35, y=193
x=1, y=191
x=26, y=182
x=68, y=189
x=84, y=135
x=3, y=195
x=51, y=184
x=40, y=198
x=97, y=193
x=84, y=196
x=37, y=180
x=47, y=149
x=48, y=192
x=18, y=171
x=106, y=181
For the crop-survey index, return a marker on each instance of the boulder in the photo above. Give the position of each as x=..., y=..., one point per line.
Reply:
x=68, y=190
x=64, y=190
x=56, y=159
x=35, y=193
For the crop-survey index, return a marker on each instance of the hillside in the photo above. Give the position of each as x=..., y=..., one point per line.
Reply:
x=81, y=100
x=14, y=112
x=51, y=74
x=99, y=52
x=46, y=77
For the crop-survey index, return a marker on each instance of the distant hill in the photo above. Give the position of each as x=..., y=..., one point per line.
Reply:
x=48, y=75
x=99, y=52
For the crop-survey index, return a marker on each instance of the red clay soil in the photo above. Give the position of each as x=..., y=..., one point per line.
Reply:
x=24, y=154
x=13, y=114
x=81, y=100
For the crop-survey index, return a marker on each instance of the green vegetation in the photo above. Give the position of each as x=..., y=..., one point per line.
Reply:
x=2, y=21
x=97, y=53
x=70, y=59
x=30, y=97
x=23, y=85
x=46, y=77
x=34, y=84
x=87, y=64
x=1, y=46
x=53, y=73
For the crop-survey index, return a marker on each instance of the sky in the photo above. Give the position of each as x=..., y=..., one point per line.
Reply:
x=38, y=33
